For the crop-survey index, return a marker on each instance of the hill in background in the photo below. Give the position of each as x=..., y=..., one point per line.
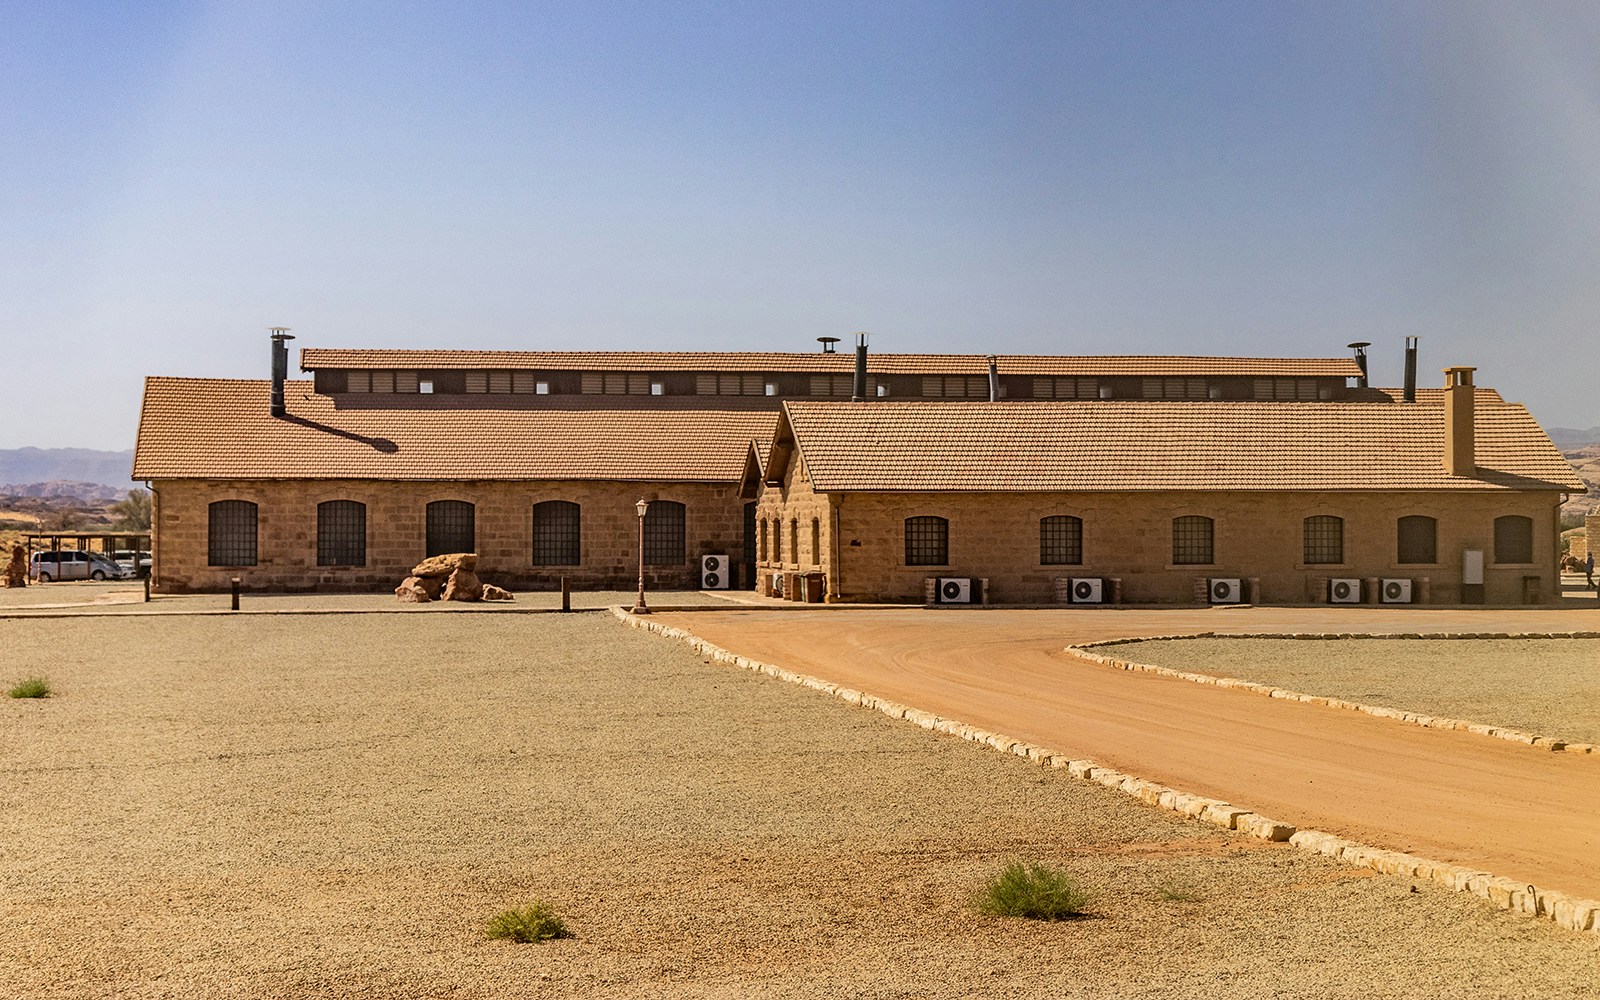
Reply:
x=26, y=468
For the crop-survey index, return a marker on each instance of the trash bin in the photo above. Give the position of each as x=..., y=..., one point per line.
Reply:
x=816, y=584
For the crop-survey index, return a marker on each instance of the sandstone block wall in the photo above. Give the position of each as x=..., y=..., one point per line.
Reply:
x=1127, y=535
x=286, y=529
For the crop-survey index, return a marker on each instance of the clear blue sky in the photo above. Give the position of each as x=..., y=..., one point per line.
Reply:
x=1271, y=178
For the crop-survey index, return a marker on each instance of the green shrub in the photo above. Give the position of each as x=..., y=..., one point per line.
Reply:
x=1172, y=891
x=528, y=925
x=1035, y=891
x=33, y=687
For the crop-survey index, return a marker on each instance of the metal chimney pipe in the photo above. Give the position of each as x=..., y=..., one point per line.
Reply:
x=994, y=379
x=859, y=389
x=1360, y=347
x=280, y=366
x=1411, y=369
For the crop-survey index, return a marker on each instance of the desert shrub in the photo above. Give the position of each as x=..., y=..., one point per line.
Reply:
x=33, y=687
x=1035, y=891
x=527, y=925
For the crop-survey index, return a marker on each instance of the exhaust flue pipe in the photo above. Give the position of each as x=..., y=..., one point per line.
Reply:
x=1411, y=369
x=994, y=379
x=858, y=391
x=280, y=366
x=1360, y=347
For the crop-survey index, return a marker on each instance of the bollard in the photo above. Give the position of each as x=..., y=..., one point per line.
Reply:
x=236, y=593
x=147, y=588
x=566, y=595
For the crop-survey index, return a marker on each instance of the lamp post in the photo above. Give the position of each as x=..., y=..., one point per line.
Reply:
x=639, y=607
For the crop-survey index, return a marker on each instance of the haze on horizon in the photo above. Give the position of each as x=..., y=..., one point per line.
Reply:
x=1273, y=178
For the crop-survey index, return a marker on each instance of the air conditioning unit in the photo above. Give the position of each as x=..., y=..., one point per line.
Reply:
x=1395, y=592
x=955, y=590
x=1344, y=591
x=1087, y=590
x=1225, y=591
x=777, y=585
x=715, y=573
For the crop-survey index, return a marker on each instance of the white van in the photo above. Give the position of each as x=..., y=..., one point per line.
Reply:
x=69, y=564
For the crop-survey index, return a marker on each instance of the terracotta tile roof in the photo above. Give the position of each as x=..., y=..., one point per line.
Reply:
x=1201, y=445
x=312, y=359
x=221, y=429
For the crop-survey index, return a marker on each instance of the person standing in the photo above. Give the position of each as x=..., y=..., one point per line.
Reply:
x=1588, y=569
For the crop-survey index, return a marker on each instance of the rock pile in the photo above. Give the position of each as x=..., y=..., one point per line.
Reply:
x=451, y=577
x=17, y=570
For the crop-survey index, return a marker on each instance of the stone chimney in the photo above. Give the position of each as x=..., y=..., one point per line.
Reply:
x=1458, y=417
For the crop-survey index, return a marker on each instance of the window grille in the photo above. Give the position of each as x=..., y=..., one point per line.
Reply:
x=1192, y=541
x=1066, y=388
x=1323, y=540
x=663, y=533
x=1416, y=540
x=450, y=527
x=341, y=533
x=927, y=541
x=358, y=381
x=1061, y=540
x=231, y=533
x=1513, y=539
x=557, y=533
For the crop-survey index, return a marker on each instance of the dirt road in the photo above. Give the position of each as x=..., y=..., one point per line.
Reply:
x=1452, y=796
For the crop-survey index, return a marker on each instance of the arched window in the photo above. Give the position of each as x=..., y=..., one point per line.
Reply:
x=927, y=541
x=1513, y=539
x=663, y=533
x=1416, y=539
x=777, y=542
x=816, y=542
x=794, y=541
x=231, y=533
x=341, y=533
x=1192, y=541
x=1322, y=538
x=450, y=527
x=557, y=530
x=1060, y=540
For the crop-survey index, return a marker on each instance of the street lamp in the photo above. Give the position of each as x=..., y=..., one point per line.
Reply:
x=639, y=607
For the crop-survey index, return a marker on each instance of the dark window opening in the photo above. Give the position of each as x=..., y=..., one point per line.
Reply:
x=1192, y=541
x=1061, y=540
x=663, y=533
x=557, y=531
x=1323, y=540
x=1417, y=540
x=927, y=541
x=450, y=527
x=231, y=533
x=1513, y=539
x=341, y=533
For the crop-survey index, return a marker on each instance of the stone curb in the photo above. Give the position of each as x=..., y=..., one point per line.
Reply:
x=1086, y=652
x=1565, y=911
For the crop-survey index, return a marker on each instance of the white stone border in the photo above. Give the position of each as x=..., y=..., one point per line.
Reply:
x=1565, y=911
x=1086, y=652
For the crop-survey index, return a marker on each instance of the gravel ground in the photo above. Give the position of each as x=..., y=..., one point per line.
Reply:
x=331, y=806
x=127, y=597
x=1546, y=686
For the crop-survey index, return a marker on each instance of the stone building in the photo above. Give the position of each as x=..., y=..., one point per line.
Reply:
x=535, y=460
x=1456, y=493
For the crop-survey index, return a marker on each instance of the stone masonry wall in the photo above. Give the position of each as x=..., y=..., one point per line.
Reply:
x=286, y=532
x=1127, y=535
x=791, y=510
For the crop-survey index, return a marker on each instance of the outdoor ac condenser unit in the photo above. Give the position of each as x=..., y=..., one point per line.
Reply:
x=715, y=573
x=1226, y=591
x=1087, y=590
x=1344, y=591
x=1395, y=592
x=955, y=590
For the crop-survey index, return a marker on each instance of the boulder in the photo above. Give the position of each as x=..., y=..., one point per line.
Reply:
x=463, y=585
x=446, y=564
x=434, y=585
x=17, y=570
x=412, y=591
x=493, y=593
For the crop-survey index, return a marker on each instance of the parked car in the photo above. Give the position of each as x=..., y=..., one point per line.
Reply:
x=139, y=561
x=69, y=564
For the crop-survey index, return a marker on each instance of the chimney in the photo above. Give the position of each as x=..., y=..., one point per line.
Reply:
x=1411, y=370
x=1360, y=347
x=994, y=379
x=1458, y=416
x=859, y=390
x=827, y=344
x=280, y=366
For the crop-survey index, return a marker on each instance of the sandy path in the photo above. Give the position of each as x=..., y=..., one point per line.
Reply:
x=1452, y=796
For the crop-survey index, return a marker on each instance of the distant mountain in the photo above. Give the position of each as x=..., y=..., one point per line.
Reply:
x=73, y=465
x=1567, y=437
x=66, y=489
